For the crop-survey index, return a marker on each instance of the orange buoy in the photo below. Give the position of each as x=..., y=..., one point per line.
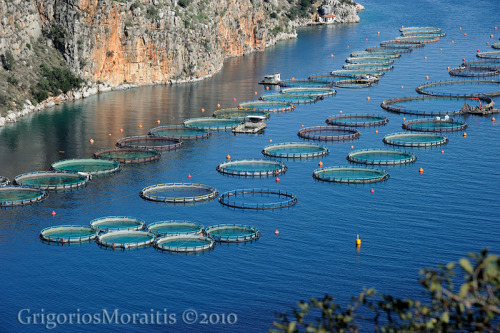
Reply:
x=460, y=28
x=463, y=59
x=121, y=130
x=425, y=58
x=91, y=141
x=368, y=98
x=277, y=180
x=293, y=79
x=302, y=125
x=358, y=241
x=61, y=152
x=270, y=140
x=331, y=55
x=347, y=46
x=452, y=41
x=366, y=38
x=276, y=232
x=228, y=157
x=218, y=105
x=493, y=119
x=352, y=147
x=440, y=49
x=487, y=43
x=189, y=176
x=320, y=164
x=340, y=111
x=448, y=68
x=491, y=36
x=478, y=50
x=427, y=77
x=140, y=126
x=465, y=35
x=372, y=191
x=495, y=28
x=465, y=135
x=378, y=32
x=53, y=213
x=376, y=131
x=202, y=110
x=442, y=151
x=404, y=118
x=109, y=134
x=402, y=87
x=255, y=93
x=158, y=121
x=267, y=88
x=63, y=240
x=421, y=170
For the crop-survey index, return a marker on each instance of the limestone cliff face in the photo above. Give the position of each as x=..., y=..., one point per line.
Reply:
x=142, y=41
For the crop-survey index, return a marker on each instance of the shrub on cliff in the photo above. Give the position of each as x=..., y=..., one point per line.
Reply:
x=474, y=307
x=8, y=60
x=54, y=81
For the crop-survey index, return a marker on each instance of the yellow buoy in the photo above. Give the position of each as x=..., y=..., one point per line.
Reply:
x=404, y=118
x=91, y=141
x=358, y=241
x=121, y=130
x=448, y=68
x=465, y=134
x=460, y=28
x=331, y=55
x=158, y=121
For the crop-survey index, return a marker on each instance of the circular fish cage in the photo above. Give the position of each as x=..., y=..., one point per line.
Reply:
x=357, y=83
x=292, y=98
x=184, y=243
x=11, y=196
x=180, y=132
x=398, y=43
x=381, y=157
x=128, y=155
x=114, y=223
x=357, y=120
x=328, y=133
x=369, y=65
x=488, y=64
x=355, y=73
x=350, y=175
x=268, y=106
x=414, y=139
x=149, y=142
x=232, y=233
x=295, y=150
x=257, y=198
x=423, y=33
x=125, y=239
x=212, y=123
x=420, y=29
x=430, y=105
x=385, y=54
x=179, y=193
x=174, y=227
x=240, y=113
x=252, y=168
x=364, y=60
x=68, y=234
x=304, y=83
x=4, y=181
x=473, y=72
x=52, y=180
x=496, y=45
x=434, y=125
x=91, y=166
x=419, y=38
x=320, y=92
x=398, y=49
x=489, y=55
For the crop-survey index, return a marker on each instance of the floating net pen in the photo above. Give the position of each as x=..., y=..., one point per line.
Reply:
x=179, y=193
x=180, y=132
x=295, y=150
x=11, y=196
x=350, y=175
x=257, y=198
x=91, y=166
x=381, y=157
x=125, y=239
x=68, y=234
x=184, y=243
x=232, y=233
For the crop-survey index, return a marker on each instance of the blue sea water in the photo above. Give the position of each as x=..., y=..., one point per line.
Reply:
x=411, y=221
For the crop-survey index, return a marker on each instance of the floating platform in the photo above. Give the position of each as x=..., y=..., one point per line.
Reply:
x=180, y=132
x=91, y=166
x=268, y=106
x=128, y=155
x=174, y=227
x=212, y=123
x=125, y=239
x=11, y=196
x=414, y=139
x=434, y=125
x=381, y=157
x=252, y=168
x=240, y=113
x=149, y=142
x=68, y=234
x=52, y=180
x=291, y=98
x=350, y=175
x=232, y=233
x=115, y=223
x=462, y=88
x=184, y=243
x=329, y=133
x=357, y=120
x=257, y=198
x=295, y=150
x=179, y=193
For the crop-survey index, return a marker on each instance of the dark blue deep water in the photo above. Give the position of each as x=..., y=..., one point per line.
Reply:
x=411, y=221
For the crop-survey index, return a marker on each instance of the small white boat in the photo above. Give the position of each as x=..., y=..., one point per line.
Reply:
x=271, y=79
x=251, y=124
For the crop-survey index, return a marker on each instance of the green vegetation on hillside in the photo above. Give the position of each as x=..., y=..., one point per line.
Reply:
x=474, y=307
x=54, y=81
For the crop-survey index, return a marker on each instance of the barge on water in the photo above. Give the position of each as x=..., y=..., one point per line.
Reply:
x=271, y=79
x=251, y=125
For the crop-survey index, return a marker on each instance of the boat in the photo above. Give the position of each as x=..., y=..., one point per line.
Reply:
x=271, y=79
x=368, y=78
x=251, y=125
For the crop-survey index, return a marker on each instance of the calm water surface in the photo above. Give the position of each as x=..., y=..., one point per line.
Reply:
x=410, y=221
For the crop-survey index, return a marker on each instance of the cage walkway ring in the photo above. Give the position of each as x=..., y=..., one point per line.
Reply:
x=192, y=192
x=350, y=175
x=268, y=106
x=115, y=223
x=328, y=133
x=252, y=168
x=229, y=198
x=184, y=243
x=52, y=180
x=233, y=233
x=174, y=227
x=424, y=88
x=11, y=196
x=295, y=150
x=125, y=239
x=434, y=125
x=381, y=157
x=149, y=142
x=68, y=234
x=179, y=132
x=405, y=139
x=357, y=120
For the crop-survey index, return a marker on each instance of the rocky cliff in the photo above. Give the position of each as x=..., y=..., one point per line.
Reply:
x=140, y=41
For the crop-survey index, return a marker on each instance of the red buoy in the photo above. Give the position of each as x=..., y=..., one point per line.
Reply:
x=234, y=99
x=276, y=232
x=53, y=213
x=320, y=164
x=189, y=176
x=277, y=180
x=372, y=191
